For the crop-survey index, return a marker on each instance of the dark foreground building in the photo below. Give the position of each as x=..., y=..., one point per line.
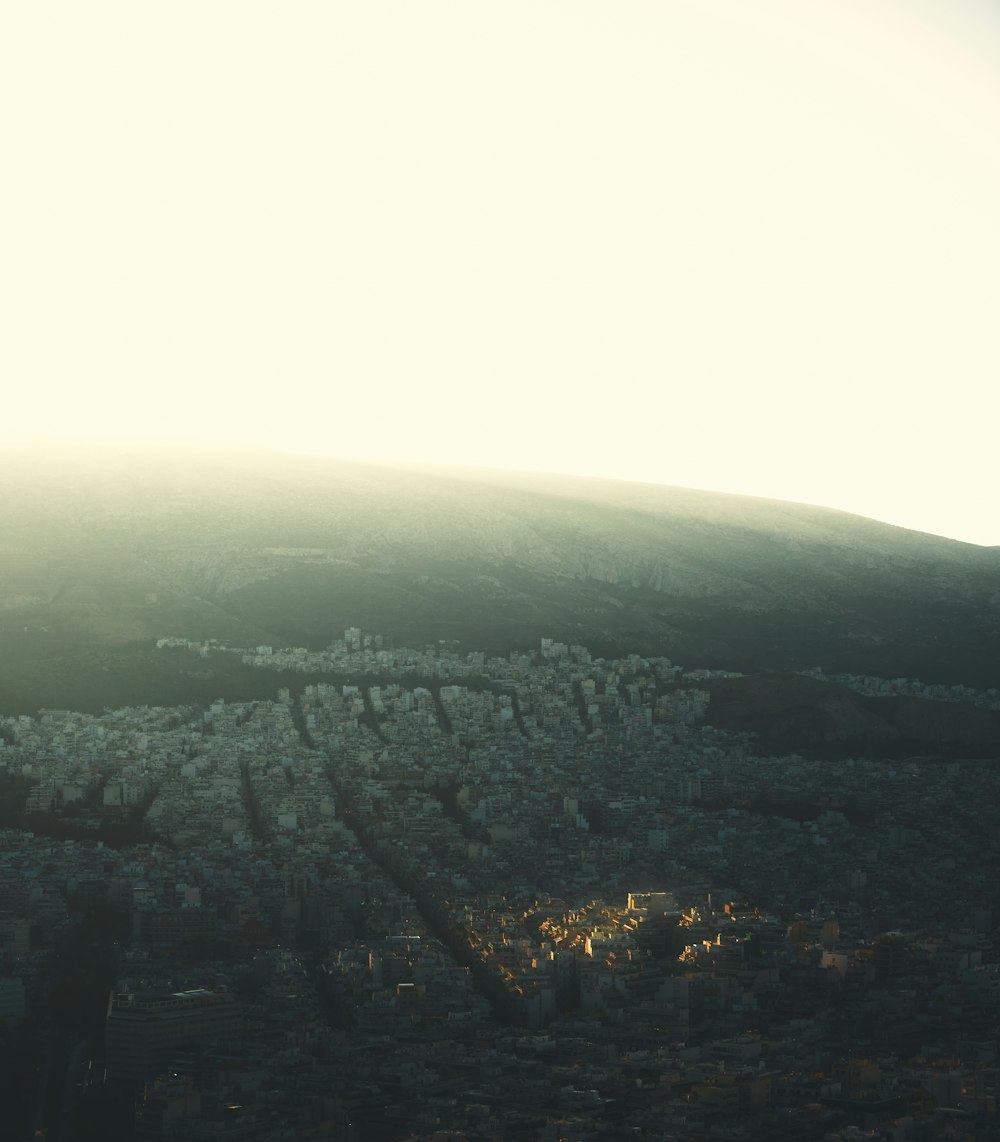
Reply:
x=145, y=1028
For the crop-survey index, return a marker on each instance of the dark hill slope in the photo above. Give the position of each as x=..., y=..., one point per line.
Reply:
x=104, y=550
x=790, y=713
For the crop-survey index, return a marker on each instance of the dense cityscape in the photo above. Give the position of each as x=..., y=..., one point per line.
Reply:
x=499, y=587
x=460, y=895
x=443, y=895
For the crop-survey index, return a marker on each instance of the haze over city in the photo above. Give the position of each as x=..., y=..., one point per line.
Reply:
x=499, y=571
x=749, y=248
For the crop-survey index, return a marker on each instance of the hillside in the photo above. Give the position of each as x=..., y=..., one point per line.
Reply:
x=791, y=713
x=103, y=551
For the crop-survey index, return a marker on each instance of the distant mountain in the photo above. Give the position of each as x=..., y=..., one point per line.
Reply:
x=101, y=551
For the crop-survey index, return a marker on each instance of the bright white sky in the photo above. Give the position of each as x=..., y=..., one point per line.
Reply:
x=749, y=245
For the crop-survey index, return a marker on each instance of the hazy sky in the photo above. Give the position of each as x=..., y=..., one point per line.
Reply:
x=750, y=245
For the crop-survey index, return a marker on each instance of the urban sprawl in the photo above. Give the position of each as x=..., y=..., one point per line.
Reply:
x=441, y=895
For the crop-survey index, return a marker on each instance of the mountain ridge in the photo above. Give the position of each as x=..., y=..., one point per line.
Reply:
x=115, y=547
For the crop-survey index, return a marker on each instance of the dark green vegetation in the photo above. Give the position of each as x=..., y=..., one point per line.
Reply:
x=108, y=677
x=781, y=803
x=14, y=792
x=102, y=553
x=790, y=713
